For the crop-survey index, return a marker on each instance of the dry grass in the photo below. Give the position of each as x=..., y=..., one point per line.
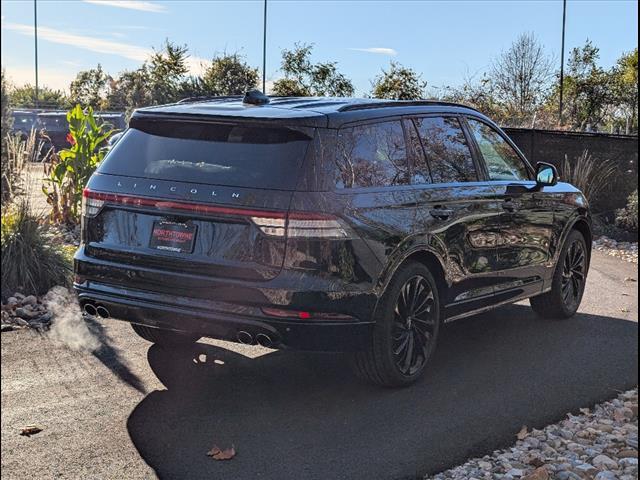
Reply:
x=587, y=173
x=17, y=154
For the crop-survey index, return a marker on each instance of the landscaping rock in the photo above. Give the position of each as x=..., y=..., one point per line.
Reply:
x=604, y=461
x=627, y=251
x=21, y=311
x=600, y=444
x=30, y=300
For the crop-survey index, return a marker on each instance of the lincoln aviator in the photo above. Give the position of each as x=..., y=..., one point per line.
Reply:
x=327, y=224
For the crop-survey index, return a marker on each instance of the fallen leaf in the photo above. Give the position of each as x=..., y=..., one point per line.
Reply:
x=226, y=454
x=522, y=434
x=214, y=451
x=624, y=294
x=629, y=279
x=624, y=310
x=538, y=474
x=30, y=430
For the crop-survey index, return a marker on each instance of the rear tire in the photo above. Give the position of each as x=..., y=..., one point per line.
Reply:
x=163, y=337
x=406, y=330
x=569, y=279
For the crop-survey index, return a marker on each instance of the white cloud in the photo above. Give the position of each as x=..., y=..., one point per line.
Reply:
x=84, y=42
x=378, y=50
x=60, y=79
x=131, y=5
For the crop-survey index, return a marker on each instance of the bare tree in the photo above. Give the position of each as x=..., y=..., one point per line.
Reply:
x=520, y=76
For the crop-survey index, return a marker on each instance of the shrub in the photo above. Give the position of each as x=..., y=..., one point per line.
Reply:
x=31, y=261
x=70, y=169
x=627, y=217
x=587, y=173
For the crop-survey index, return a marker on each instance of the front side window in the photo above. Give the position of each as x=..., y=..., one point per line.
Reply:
x=372, y=156
x=503, y=163
x=446, y=153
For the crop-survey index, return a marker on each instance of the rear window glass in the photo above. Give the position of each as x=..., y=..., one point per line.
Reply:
x=372, y=156
x=228, y=155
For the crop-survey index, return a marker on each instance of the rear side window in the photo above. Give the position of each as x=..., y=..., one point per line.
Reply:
x=503, y=163
x=372, y=156
x=447, y=157
x=216, y=154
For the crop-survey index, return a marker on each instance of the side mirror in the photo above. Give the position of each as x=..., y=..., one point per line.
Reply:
x=546, y=175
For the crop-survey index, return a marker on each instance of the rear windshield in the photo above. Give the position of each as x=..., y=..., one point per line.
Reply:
x=217, y=154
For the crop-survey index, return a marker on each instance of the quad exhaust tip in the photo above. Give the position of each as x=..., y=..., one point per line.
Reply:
x=90, y=309
x=245, y=337
x=96, y=310
x=264, y=340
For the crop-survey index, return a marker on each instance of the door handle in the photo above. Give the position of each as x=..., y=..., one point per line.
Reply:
x=441, y=212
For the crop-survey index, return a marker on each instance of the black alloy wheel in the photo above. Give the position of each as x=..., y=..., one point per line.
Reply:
x=414, y=325
x=568, y=282
x=406, y=329
x=574, y=273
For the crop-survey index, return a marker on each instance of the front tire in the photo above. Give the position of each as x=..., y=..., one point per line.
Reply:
x=165, y=338
x=406, y=330
x=568, y=283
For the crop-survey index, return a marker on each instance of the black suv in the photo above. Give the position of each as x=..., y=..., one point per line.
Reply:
x=329, y=224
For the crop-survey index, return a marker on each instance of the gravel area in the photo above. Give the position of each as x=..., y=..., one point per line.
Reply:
x=600, y=443
x=627, y=251
x=25, y=311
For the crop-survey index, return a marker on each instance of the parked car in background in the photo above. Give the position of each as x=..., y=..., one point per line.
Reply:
x=23, y=122
x=53, y=126
x=329, y=224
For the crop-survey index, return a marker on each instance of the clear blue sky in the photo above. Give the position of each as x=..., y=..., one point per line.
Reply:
x=445, y=41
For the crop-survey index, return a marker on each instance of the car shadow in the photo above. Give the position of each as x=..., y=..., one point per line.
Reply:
x=109, y=355
x=304, y=415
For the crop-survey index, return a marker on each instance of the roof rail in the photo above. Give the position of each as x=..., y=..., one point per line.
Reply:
x=208, y=98
x=398, y=103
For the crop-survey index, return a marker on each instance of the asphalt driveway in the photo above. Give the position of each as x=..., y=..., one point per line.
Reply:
x=134, y=411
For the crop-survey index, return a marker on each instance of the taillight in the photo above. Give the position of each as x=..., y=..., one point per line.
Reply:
x=91, y=203
x=275, y=224
x=303, y=224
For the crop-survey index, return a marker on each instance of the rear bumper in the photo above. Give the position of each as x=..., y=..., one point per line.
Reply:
x=189, y=315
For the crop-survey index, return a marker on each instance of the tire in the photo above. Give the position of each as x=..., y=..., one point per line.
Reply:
x=163, y=337
x=567, y=285
x=405, y=333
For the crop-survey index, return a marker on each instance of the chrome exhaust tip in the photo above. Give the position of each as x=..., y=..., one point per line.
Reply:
x=90, y=309
x=264, y=340
x=245, y=338
x=103, y=312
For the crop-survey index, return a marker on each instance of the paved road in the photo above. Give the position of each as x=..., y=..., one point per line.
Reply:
x=130, y=411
